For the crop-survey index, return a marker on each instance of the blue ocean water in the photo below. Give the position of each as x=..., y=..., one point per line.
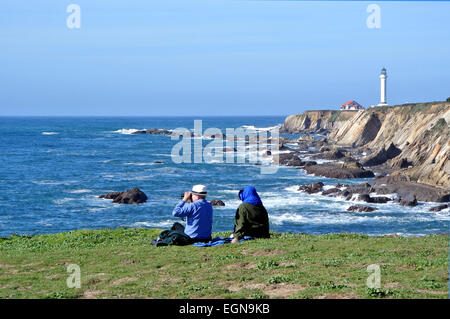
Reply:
x=53, y=169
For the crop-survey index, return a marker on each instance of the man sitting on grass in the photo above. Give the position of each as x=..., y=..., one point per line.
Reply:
x=199, y=214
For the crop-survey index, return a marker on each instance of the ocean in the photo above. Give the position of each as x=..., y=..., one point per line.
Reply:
x=54, y=168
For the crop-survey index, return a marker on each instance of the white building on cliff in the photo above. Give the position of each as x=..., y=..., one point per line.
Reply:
x=383, y=78
x=351, y=105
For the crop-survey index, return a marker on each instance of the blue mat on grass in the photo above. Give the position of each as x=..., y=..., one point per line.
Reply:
x=220, y=241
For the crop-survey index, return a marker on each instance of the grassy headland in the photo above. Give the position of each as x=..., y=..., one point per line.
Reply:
x=121, y=263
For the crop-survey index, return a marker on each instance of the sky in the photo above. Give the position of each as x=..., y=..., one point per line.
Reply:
x=217, y=57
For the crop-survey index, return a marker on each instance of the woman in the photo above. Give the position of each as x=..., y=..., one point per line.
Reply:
x=251, y=216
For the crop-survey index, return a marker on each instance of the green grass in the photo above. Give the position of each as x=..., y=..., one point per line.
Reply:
x=121, y=263
x=411, y=108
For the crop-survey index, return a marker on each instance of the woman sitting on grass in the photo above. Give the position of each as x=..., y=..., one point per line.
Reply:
x=251, y=216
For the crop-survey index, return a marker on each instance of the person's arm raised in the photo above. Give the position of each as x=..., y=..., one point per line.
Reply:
x=183, y=209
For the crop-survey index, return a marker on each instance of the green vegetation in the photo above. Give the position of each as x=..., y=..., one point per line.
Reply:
x=121, y=263
x=448, y=99
x=334, y=116
x=438, y=127
x=428, y=107
x=410, y=108
x=420, y=107
x=382, y=109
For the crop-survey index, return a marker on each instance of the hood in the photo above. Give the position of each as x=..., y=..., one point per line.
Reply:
x=250, y=196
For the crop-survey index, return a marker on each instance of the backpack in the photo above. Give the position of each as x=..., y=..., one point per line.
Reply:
x=172, y=237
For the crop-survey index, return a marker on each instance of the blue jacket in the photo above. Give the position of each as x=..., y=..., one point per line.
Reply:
x=199, y=218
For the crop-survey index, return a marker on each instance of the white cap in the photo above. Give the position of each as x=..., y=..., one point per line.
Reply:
x=199, y=189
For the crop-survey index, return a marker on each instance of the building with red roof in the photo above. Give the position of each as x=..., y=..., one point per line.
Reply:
x=351, y=105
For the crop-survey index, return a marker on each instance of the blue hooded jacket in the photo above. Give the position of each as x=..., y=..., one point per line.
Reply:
x=250, y=196
x=251, y=217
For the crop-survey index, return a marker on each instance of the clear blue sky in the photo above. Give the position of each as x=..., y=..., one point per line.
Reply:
x=214, y=57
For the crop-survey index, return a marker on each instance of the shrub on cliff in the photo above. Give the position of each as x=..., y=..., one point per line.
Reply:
x=438, y=127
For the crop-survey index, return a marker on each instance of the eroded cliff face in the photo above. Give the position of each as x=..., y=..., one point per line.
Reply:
x=315, y=121
x=359, y=130
x=420, y=131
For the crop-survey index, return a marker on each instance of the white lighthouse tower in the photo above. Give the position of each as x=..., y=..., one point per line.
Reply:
x=383, y=77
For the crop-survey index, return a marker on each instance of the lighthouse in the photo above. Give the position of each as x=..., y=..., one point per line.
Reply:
x=383, y=77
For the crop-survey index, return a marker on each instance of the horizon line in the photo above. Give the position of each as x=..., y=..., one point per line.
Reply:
x=138, y=116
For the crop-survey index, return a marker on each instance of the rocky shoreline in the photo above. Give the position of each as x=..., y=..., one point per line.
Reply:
x=413, y=165
x=404, y=149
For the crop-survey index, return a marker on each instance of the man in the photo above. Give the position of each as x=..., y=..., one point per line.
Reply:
x=199, y=214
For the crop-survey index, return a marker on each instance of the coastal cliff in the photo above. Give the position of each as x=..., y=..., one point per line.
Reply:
x=316, y=121
x=420, y=132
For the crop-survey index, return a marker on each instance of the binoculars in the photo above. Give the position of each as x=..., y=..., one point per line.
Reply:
x=189, y=199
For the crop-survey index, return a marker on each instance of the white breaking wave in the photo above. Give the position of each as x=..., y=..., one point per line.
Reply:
x=391, y=196
x=261, y=129
x=293, y=188
x=46, y=182
x=63, y=200
x=348, y=218
x=327, y=187
x=139, y=164
x=161, y=224
x=50, y=133
x=292, y=145
x=127, y=131
x=80, y=191
x=230, y=191
x=328, y=219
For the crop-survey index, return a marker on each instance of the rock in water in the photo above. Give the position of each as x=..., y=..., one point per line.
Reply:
x=336, y=171
x=353, y=164
x=131, y=196
x=217, y=202
x=365, y=198
x=290, y=159
x=438, y=208
x=376, y=200
x=333, y=154
x=331, y=191
x=361, y=208
x=310, y=163
x=405, y=188
x=311, y=188
x=380, y=200
x=411, y=202
x=153, y=131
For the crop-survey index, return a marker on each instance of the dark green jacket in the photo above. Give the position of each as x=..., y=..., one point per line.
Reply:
x=252, y=221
